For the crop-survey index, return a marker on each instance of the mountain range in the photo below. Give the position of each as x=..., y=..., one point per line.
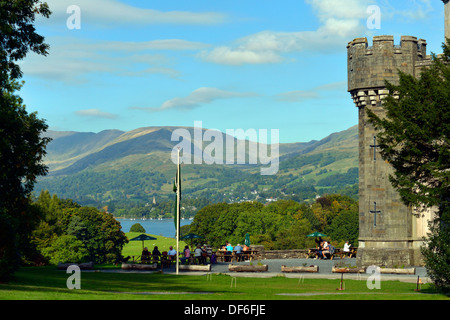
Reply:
x=137, y=166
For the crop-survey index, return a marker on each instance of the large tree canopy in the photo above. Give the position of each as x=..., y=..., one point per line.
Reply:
x=22, y=146
x=18, y=35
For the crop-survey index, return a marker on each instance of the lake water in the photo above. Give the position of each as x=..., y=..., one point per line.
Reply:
x=164, y=227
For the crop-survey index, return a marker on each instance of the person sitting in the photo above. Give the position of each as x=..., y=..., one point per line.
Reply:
x=238, y=250
x=172, y=254
x=198, y=254
x=187, y=255
x=320, y=249
x=208, y=250
x=228, y=252
x=346, y=249
x=145, y=256
x=205, y=253
x=156, y=254
x=325, y=250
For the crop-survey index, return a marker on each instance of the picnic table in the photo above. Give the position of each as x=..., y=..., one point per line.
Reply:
x=312, y=252
x=221, y=255
x=342, y=254
x=233, y=256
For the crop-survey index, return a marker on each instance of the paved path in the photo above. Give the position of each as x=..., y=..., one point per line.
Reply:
x=325, y=267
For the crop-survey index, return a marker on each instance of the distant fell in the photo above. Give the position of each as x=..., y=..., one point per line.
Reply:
x=114, y=165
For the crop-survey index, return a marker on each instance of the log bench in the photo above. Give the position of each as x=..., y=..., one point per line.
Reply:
x=300, y=269
x=248, y=268
x=193, y=267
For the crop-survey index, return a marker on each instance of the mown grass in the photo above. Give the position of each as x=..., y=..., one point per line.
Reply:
x=48, y=283
x=135, y=247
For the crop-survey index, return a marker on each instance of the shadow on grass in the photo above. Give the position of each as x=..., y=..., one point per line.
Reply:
x=51, y=280
x=50, y=283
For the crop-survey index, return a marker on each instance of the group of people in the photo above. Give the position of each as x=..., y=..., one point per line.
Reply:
x=156, y=256
x=326, y=250
x=198, y=255
x=228, y=250
x=201, y=254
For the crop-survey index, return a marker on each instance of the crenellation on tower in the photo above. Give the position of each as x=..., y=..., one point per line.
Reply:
x=370, y=66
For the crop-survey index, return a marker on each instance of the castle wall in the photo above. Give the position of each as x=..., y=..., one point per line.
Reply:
x=388, y=233
x=447, y=18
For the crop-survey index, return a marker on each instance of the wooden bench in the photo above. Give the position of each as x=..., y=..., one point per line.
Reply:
x=246, y=255
x=312, y=252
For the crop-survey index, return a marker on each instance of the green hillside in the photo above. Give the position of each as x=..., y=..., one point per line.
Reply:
x=126, y=170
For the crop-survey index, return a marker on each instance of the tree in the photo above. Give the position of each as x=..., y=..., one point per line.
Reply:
x=344, y=227
x=22, y=146
x=137, y=227
x=18, y=36
x=414, y=137
x=98, y=232
x=66, y=249
x=98, y=235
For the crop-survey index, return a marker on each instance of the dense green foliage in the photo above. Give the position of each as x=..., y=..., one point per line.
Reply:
x=22, y=147
x=436, y=254
x=283, y=224
x=137, y=227
x=129, y=192
x=68, y=232
x=415, y=138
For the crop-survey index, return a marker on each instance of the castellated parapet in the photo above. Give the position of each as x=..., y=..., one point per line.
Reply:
x=389, y=233
x=370, y=66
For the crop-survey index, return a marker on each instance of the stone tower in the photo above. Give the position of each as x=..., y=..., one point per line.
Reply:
x=390, y=233
x=447, y=18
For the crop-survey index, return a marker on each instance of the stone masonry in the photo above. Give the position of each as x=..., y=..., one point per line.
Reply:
x=389, y=234
x=447, y=18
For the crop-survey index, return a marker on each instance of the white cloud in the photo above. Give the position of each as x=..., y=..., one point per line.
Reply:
x=298, y=95
x=238, y=56
x=340, y=9
x=111, y=13
x=165, y=44
x=341, y=21
x=417, y=10
x=71, y=60
x=95, y=113
x=196, y=98
x=315, y=93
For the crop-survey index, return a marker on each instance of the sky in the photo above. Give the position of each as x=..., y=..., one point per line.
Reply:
x=253, y=64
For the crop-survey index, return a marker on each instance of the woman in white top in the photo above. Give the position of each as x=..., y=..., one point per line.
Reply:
x=198, y=254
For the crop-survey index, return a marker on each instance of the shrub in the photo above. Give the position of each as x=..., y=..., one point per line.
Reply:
x=137, y=227
x=66, y=249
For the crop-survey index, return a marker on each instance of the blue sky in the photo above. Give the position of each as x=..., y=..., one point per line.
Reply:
x=253, y=64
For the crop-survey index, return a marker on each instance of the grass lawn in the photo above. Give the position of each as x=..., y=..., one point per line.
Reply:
x=47, y=283
x=135, y=247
